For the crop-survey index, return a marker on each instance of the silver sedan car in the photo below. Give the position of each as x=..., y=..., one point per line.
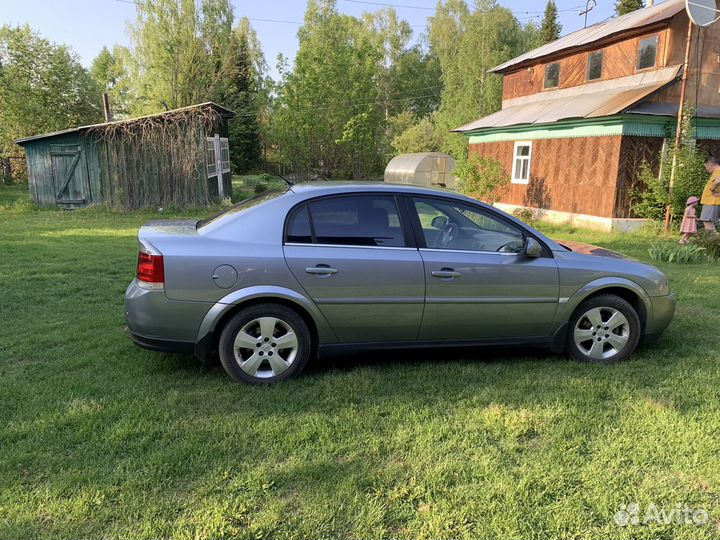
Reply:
x=276, y=279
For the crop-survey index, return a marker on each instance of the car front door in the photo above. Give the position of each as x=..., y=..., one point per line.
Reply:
x=480, y=284
x=353, y=256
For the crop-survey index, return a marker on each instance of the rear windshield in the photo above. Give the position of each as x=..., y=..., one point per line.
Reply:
x=243, y=205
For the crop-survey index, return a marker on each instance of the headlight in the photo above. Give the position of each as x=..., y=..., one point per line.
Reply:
x=662, y=284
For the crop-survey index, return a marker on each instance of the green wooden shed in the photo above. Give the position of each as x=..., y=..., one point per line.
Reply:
x=177, y=158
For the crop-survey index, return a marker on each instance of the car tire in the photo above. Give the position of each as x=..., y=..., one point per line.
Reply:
x=264, y=344
x=603, y=329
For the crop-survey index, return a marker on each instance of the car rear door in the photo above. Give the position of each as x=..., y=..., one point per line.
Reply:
x=480, y=285
x=354, y=257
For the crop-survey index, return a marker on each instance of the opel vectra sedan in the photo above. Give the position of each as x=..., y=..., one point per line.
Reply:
x=272, y=281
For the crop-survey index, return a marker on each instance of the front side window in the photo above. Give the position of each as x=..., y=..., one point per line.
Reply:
x=521, y=163
x=595, y=65
x=366, y=220
x=552, y=75
x=647, y=52
x=451, y=225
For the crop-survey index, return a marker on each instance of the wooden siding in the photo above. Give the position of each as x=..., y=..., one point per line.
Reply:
x=619, y=61
x=42, y=177
x=703, y=78
x=576, y=175
x=633, y=152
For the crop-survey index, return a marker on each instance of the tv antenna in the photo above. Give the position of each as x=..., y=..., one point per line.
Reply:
x=589, y=6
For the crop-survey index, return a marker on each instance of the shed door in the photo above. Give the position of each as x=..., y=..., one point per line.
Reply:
x=70, y=177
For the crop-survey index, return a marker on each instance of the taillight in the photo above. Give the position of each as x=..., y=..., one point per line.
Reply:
x=150, y=266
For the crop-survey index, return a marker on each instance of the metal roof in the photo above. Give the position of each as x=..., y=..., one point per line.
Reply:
x=604, y=98
x=604, y=30
x=224, y=112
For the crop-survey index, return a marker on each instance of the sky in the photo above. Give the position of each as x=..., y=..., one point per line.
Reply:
x=87, y=25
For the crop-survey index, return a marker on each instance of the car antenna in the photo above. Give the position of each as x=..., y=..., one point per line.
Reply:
x=288, y=182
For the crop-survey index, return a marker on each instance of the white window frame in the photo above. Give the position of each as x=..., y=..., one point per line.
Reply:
x=515, y=179
x=211, y=157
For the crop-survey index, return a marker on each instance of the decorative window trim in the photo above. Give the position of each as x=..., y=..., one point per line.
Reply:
x=516, y=176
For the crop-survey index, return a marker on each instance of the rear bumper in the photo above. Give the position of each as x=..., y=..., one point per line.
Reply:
x=163, y=345
x=159, y=324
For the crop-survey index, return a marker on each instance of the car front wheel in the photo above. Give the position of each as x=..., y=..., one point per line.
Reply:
x=263, y=344
x=603, y=329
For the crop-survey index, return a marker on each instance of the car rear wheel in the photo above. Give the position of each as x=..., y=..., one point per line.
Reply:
x=265, y=343
x=603, y=329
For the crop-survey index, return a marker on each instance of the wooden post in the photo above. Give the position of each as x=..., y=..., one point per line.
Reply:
x=218, y=166
x=106, y=108
x=6, y=168
x=678, y=129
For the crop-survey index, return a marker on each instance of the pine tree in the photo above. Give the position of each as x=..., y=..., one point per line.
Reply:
x=623, y=7
x=240, y=96
x=550, y=27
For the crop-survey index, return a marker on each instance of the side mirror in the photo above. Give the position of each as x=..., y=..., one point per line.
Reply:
x=439, y=222
x=533, y=248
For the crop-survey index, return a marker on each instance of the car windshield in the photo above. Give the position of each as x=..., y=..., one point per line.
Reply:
x=243, y=205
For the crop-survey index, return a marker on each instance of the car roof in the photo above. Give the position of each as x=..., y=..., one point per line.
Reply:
x=351, y=187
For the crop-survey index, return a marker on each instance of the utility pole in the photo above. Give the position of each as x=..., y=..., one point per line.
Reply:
x=678, y=128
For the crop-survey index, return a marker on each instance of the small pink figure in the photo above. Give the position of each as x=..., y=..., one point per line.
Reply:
x=688, y=227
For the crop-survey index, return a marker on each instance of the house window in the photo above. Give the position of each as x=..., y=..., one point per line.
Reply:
x=521, y=163
x=595, y=65
x=647, y=52
x=552, y=75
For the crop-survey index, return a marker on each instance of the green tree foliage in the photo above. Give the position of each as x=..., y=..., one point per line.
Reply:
x=467, y=44
x=242, y=93
x=43, y=88
x=181, y=54
x=550, y=26
x=419, y=137
x=329, y=102
x=482, y=178
x=623, y=7
x=111, y=77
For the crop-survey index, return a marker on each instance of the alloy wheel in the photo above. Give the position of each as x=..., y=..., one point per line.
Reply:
x=265, y=347
x=601, y=333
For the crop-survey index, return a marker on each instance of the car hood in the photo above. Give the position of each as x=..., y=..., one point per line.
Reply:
x=589, y=249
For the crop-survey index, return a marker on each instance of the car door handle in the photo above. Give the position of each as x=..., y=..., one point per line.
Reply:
x=445, y=273
x=321, y=270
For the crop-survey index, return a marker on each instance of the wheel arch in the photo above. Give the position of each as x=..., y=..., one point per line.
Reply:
x=626, y=289
x=221, y=312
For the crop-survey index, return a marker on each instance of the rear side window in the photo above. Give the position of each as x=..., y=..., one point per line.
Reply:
x=367, y=220
x=299, y=231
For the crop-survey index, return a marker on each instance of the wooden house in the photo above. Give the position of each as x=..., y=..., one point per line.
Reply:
x=580, y=114
x=177, y=158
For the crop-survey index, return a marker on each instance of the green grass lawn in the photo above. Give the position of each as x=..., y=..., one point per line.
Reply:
x=101, y=439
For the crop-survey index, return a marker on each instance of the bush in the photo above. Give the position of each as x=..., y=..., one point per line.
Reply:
x=260, y=187
x=709, y=241
x=525, y=214
x=650, y=195
x=677, y=253
x=482, y=178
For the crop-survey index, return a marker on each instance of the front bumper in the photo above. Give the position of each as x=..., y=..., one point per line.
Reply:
x=663, y=310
